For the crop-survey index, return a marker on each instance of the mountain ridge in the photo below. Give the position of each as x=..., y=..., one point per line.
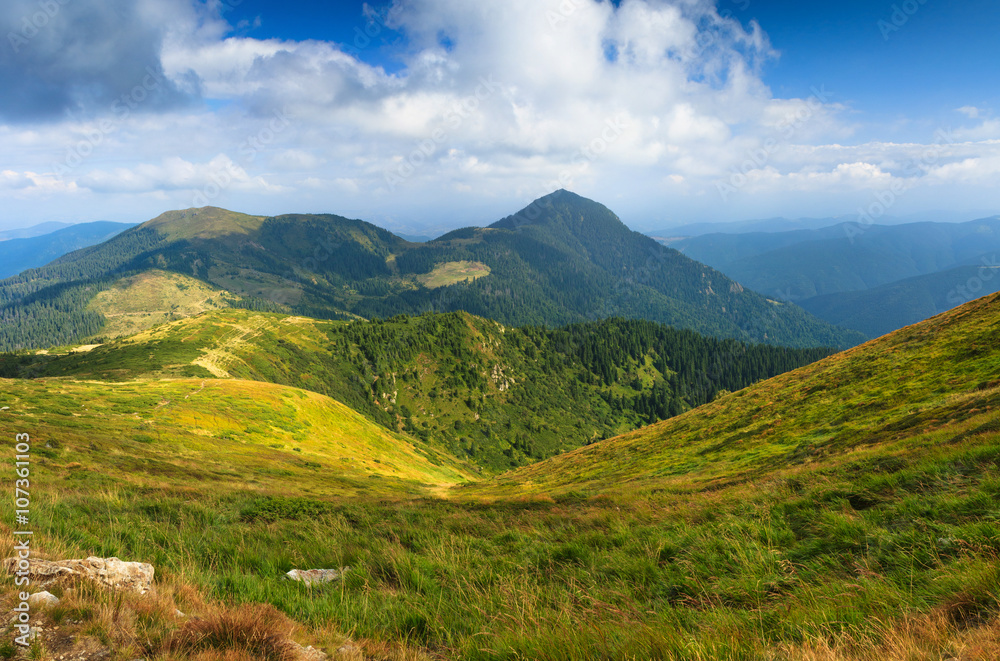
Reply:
x=572, y=262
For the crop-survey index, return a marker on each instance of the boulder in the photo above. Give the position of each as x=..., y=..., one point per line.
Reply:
x=42, y=600
x=316, y=576
x=109, y=572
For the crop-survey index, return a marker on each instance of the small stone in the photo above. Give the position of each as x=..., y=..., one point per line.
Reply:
x=310, y=653
x=316, y=576
x=43, y=600
x=178, y=613
x=348, y=651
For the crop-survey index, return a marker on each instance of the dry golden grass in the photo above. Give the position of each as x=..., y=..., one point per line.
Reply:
x=935, y=637
x=256, y=631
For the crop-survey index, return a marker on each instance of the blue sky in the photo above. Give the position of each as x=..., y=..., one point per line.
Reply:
x=943, y=52
x=457, y=113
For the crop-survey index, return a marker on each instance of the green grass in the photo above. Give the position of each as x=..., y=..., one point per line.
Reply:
x=500, y=397
x=205, y=223
x=221, y=435
x=152, y=298
x=452, y=273
x=827, y=505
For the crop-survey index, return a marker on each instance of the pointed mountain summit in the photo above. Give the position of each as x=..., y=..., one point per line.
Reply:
x=566, y=211
x=563, y=259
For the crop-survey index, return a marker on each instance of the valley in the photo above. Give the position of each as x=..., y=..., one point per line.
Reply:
x=607, y=488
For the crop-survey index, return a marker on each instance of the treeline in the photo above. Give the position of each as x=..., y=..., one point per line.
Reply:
x=47, y=306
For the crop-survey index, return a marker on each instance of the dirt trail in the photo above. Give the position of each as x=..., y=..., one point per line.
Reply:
x=216, y=359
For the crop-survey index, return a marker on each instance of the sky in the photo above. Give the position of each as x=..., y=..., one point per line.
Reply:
x=426, y=115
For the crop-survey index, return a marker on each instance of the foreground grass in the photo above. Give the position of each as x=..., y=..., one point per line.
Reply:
x=848, y=511
x=732, y=574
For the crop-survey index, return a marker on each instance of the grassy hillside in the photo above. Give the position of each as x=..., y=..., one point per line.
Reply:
x=563, y=260
x=936, y=383
x=152, y=298
x=847, y=510
x=230, y=435
x=498, y=396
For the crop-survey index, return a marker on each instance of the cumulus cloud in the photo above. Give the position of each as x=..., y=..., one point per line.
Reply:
x=175, y=173
x=655, y=100
x=24, y=184
x=80, y=56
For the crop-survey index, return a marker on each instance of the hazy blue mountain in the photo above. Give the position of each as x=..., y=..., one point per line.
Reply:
x=767, y=225
x=415, y=238
x=34, y=230
x=886, y=308
x=774, y=225
x=799, y=265
x=20, y=254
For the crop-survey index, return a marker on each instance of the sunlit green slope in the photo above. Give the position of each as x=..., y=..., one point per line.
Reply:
x=926, y=387
x=224, y=434
x=499, y=396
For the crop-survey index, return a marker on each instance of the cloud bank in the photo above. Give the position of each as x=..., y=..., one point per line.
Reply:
x=656, y=108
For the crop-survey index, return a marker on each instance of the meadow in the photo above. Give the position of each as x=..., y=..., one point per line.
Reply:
x=845, y=511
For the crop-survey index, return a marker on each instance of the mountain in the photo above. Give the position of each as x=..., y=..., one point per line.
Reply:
x=283, y=434
x=763, y=225
x=846, y=510
x=21, y=253
x=30, y=232
x=883, y=309
x=778, y=225
x=563, y=259
x=496, y=396
x=873, y=280
x=416, y=238
x=800, y=265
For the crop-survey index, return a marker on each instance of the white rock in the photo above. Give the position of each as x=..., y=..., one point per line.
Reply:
x=310, y=653
x=316, y=576
x=109, y=572
x=42, y=600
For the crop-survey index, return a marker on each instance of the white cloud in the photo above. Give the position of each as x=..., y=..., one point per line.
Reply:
x=174, y=174
x=988, y=130
x=297, y=160
x=22, y=184
x=655, y=100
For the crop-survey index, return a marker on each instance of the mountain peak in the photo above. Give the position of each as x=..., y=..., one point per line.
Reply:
x=204, y=223
x=565, y=210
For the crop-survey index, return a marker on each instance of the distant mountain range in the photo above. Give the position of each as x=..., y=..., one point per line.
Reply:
x=33, y=231
x=873, y=279
x=20, y=253
x=563, y=259
x=773, y=225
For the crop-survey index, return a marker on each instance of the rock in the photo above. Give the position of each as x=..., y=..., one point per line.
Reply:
x=109, y=572
x=178, y=613
x=42, y=600
x=316, y=576
x=309, y=653
x=349, y=652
